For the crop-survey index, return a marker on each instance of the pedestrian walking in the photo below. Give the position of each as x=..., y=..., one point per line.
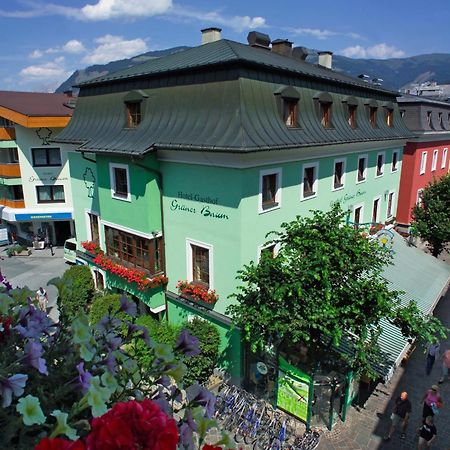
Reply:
x=432, y=402
x=432, y=354
x=50, y=244
x=445, y=365
x=427, y=434
x=400, y=415
x=42, y=298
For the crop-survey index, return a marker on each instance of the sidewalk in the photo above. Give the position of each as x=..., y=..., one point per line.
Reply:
x=365, y=427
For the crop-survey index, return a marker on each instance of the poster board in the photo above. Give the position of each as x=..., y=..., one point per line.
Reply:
x=293, y=390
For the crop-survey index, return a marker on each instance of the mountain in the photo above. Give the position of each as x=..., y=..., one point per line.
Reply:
x=98, y=70
x=396, y=72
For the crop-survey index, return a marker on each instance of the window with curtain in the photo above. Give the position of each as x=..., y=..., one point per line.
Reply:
x=50, y=194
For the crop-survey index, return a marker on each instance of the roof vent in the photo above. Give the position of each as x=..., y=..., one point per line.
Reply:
x=257, y=39
x=282, y=46
x=325, y=59
x=300, y=53
x=211, y=35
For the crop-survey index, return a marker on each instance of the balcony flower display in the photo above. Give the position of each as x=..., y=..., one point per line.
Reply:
x=91, y=247
x=131, y=275
x=197, y=292
x=375, y=228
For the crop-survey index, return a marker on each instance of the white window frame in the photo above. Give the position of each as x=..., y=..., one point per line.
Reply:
x=344, y=170
x=392, y=205
x=383, y=154
x=434, y=160
x=359, y=205
x=394, y=152
x=366, y=158
x=100, y=271
x=418, y=198
x=189, y=268
x=444, y=158
x=377, y=218
x=423, y=163
x=316, y=180
x=87, y=221
x=112, y=179
x=267, y=245
x=278, y=172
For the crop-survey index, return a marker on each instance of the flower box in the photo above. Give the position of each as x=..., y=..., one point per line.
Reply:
x=197, y=294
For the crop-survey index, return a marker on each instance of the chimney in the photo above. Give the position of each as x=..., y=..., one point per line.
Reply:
x=257, y=39
x=211, y=35
x=325, y=59
x=300, y=53
x=282, y=46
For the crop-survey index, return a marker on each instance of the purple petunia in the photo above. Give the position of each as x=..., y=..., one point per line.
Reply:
x=200, y=396
x=187, y=344
x=84, y=377
x=128, y=307
x=5, y=282
x=12, y=385
x=33, y=323
x=33, y=353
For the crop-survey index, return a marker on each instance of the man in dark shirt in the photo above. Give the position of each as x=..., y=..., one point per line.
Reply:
x=427, y=434
x=400, y=415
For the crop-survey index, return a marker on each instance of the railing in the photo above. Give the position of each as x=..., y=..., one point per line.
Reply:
x=11, y=170
x=12, y=203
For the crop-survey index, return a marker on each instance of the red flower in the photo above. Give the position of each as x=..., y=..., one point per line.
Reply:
x=133, y=425
x=59, y=444
x=6, y=322
x=211, y=447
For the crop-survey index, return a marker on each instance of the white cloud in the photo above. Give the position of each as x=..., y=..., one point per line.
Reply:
x=73, y=46
x=111, y=48
x=322, y=34
x=36, y=54
x=53, y=70
x=379, y=51
x=237, y=23
x=110, y=9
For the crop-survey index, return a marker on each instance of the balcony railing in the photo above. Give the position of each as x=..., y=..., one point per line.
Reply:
x=10, y=170
x=12, y=203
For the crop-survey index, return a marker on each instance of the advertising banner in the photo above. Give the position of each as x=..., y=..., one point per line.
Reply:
x=293, y=390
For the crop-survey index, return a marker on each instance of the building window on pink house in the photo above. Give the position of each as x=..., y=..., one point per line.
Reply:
x=434, y=160
x=423, y=163
x=444, y=158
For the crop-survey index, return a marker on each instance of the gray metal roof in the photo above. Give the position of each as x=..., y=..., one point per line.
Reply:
x=226, y=52
x=230, y=116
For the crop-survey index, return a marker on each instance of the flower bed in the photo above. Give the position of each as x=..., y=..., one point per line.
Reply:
x=131, y=275
x=197, y=292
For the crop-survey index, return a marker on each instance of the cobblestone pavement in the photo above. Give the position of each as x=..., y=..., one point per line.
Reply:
x=365, y=427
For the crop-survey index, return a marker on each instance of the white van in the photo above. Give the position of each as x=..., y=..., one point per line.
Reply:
x=70, y=250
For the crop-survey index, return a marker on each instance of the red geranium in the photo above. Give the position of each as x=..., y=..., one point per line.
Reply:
x=133, y=425
x=6, y=323
x=59, y=444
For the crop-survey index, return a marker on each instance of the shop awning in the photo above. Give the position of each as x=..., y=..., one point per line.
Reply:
x=29, y=214
x=423, y=279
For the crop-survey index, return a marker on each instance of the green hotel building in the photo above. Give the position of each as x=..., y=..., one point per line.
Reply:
x=183, y=164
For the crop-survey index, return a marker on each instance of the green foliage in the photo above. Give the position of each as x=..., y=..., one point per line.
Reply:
x=106, y=304
x=431, y=219
x=324, y=286
x=201, y=367
x=15, y=249
x=75, y=289
x=162, y=332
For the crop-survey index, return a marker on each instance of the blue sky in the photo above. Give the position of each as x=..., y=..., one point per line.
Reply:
x=44, y=42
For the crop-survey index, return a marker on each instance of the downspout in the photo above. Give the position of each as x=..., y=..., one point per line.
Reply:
x=159, y=181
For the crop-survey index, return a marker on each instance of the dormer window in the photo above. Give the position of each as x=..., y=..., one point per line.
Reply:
x=290, y=112
x=287, y=99
x=373, y=110
x=389, y=117
x=134, y=115
x=325, y=114
x=352, y=115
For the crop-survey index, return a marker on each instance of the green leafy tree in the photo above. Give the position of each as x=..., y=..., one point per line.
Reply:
x=324, y=286
x=431, y=218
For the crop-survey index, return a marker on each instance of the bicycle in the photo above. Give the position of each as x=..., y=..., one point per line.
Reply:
x=251, y=435
x=309, y=441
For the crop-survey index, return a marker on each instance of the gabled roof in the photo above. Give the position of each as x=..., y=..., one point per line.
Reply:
x=36, y=109
x=227, y=52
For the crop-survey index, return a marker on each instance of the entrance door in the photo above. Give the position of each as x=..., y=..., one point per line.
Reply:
x=62, y=232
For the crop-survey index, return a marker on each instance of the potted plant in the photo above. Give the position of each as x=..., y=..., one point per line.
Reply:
x=197, y=293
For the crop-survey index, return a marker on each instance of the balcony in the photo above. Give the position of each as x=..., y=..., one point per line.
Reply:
x=12, y=203
x=7, y=134
x=10, y=170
